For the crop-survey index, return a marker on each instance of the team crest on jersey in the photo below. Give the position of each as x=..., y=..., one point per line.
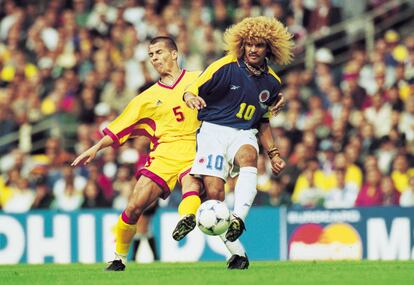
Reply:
x=264, y=96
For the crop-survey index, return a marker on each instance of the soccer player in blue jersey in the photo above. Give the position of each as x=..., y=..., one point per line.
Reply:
x=235, y=96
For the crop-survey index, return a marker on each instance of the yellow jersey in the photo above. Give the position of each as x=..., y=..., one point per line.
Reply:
x=158, y=113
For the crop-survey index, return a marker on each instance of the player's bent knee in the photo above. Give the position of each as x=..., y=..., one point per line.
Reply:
x=133, y=211
x=246, y=156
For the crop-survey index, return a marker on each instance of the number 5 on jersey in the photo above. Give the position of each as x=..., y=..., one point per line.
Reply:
x=179, y=115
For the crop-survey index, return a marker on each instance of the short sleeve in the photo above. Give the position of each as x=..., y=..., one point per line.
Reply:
x=123, y=126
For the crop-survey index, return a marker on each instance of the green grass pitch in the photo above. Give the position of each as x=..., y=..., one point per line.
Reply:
x=211, y=273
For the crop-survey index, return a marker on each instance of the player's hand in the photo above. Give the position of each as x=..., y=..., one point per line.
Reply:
x=279, y=104
x=85, y=157
x=278, y=164
x=194, y=102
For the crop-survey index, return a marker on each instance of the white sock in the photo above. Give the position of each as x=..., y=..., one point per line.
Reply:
x=234, y=247
x=245, y=191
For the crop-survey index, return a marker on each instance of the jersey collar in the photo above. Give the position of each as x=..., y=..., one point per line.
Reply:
x=242, y=64
x=174, y=84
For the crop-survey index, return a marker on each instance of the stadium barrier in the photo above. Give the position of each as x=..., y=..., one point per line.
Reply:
x=272, y=234
x=88, y=237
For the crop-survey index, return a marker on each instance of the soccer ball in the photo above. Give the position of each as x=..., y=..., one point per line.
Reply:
x=213, y=217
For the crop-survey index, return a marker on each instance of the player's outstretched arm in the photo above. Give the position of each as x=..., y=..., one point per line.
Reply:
x=278, y=105
x=88, y=155
x=194, y=102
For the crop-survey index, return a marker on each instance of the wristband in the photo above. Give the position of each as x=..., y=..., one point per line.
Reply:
x=274, y=151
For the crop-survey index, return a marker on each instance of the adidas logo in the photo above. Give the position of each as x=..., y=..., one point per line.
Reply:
x=159, y=102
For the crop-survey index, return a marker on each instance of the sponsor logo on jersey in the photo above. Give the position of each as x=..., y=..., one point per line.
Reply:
x=264, y=96
x=234, y=87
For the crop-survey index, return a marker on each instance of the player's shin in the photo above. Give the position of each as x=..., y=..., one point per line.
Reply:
x=245, y=191
x=238, y=259
x=189, y=203
x=125, y=231
x=235, y=247
x=187, y=210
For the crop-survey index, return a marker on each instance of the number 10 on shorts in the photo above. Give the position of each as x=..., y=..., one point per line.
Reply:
x=216, y=161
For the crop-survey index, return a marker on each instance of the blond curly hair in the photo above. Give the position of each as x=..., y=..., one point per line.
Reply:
x=276, y=35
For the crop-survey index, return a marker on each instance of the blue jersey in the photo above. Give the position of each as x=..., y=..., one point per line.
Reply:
x=234, y=97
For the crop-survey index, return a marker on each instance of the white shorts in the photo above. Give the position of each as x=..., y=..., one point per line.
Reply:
x=216, y=148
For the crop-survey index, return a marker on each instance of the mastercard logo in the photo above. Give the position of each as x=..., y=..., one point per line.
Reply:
x=333, y=242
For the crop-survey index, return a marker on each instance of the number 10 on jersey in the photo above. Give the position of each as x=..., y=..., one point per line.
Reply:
x=215, y=161
x=246, y=112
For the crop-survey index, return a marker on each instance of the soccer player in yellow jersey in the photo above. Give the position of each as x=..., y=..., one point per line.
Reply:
x=160, y=114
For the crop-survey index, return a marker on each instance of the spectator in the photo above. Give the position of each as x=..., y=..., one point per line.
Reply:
x=93, y=196
x=291, y=172
x=353, y=173
x=371, y=193
x=7, y=126
x=334, y=97
x=81, y=12
x=109, y=163
x=115, y=93
x=123, y=179
x=246, y=9
x=43, y=197
x=351, y=86
x=68, y=190
x=101, y=16
x=300, y=13
x=385, y=154
x=390, y=195
x=406, y=123
x=121, y=200
x=22, y=196
x=393, y=98
x=104, y=184
x=309, y=188
x=277, y=195
x=401, y=172
x=368, y=139
x=88, y=101
x=323, y=16
x=296, y=164
x=407, y=196
x=344, y=194
x=221, y=19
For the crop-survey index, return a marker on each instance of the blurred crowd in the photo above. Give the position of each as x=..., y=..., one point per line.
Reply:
x=347, y=132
